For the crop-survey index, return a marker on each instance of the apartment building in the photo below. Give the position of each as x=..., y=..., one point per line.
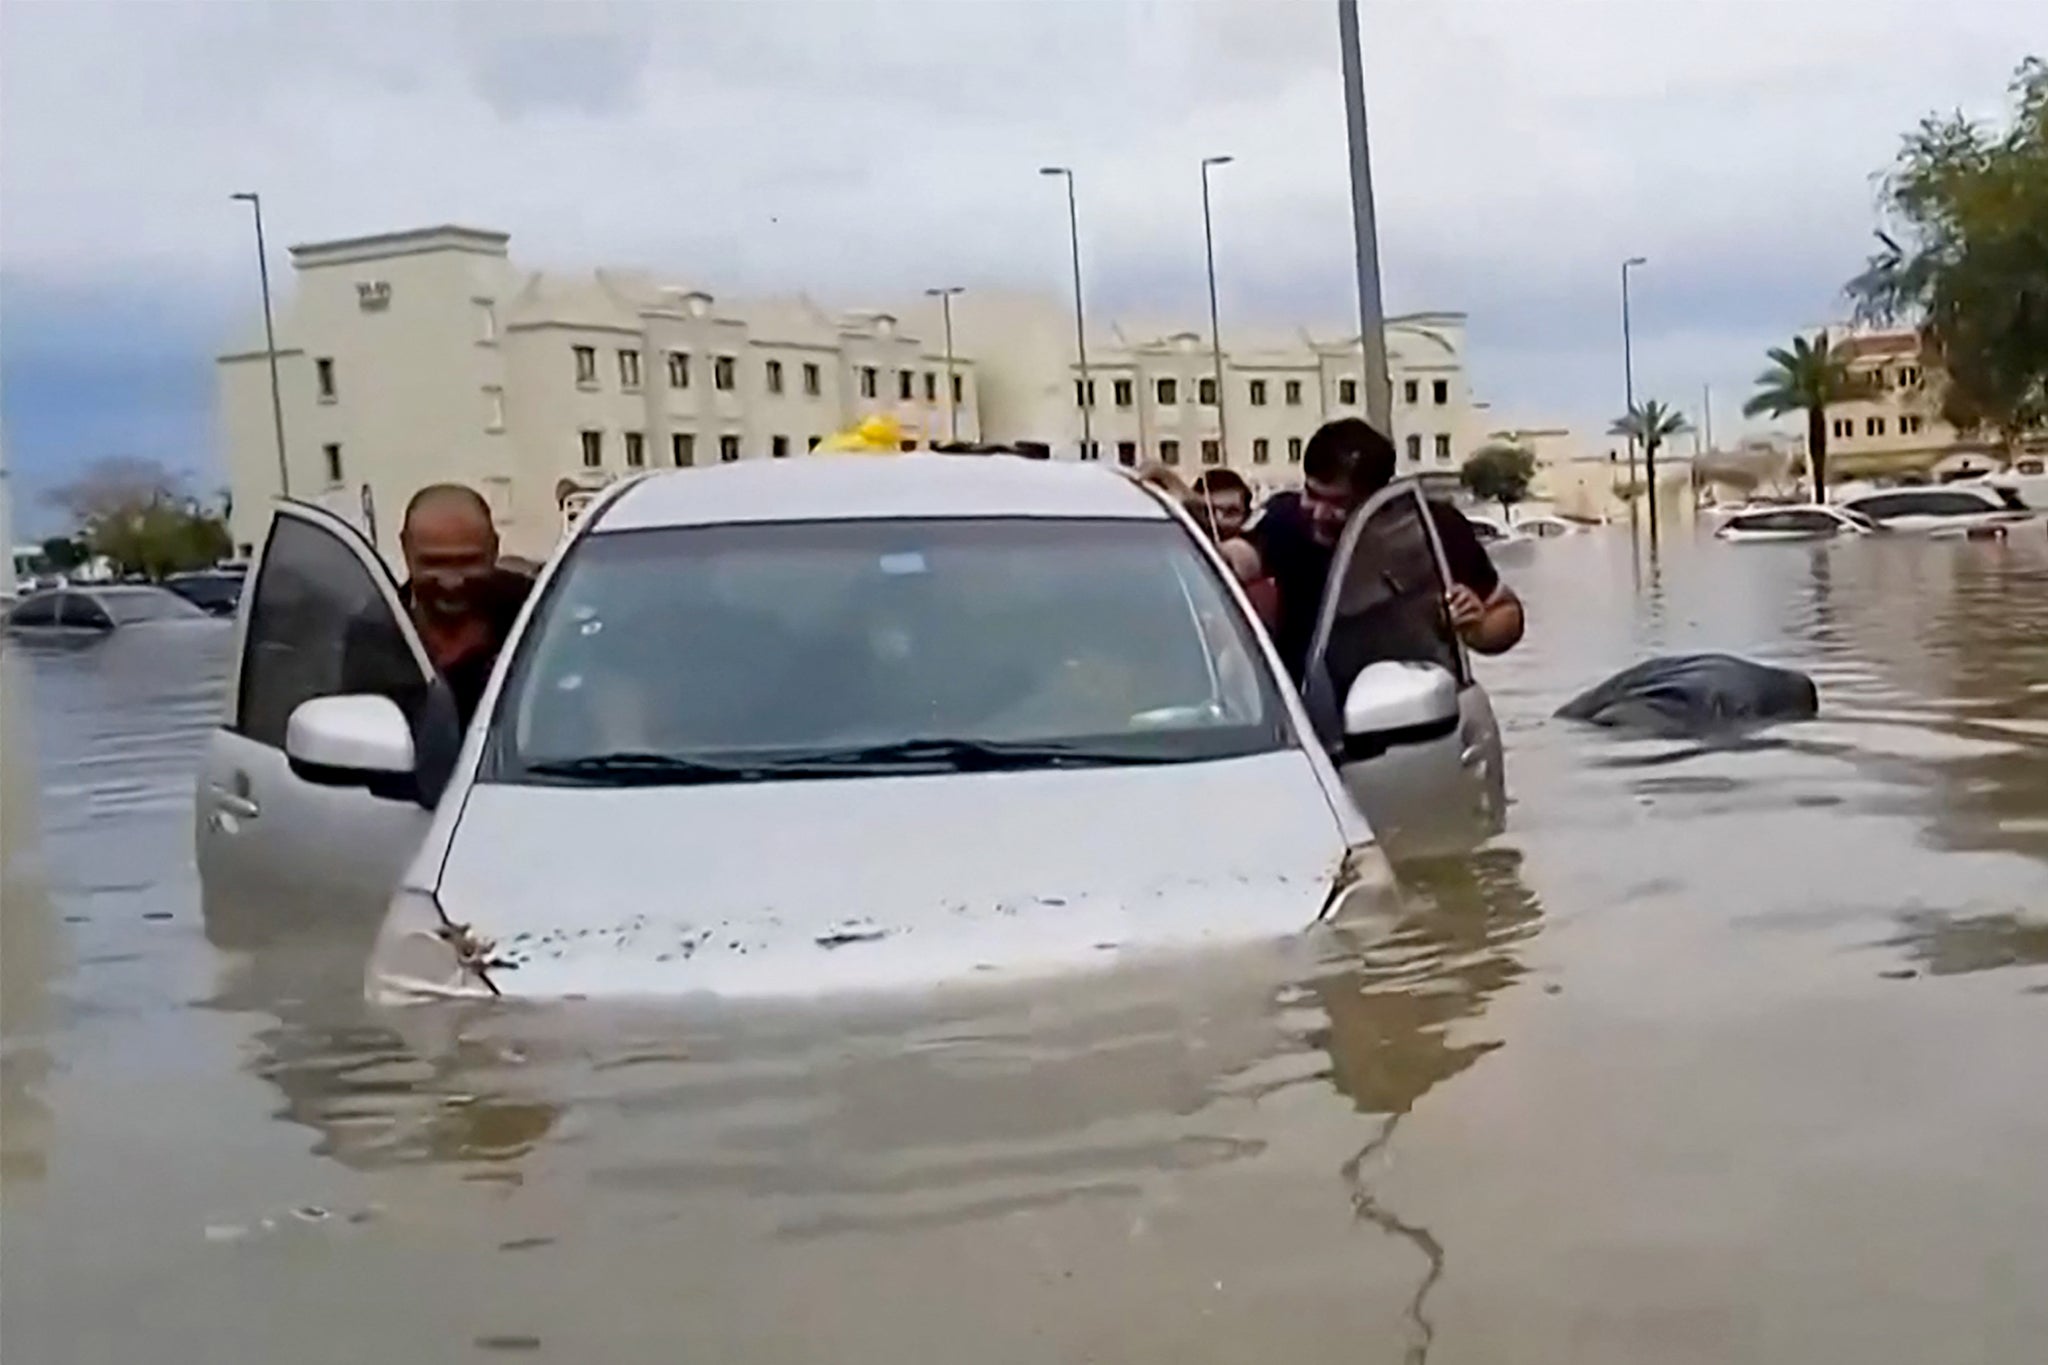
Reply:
x=413, y=357
x=1151, y=390
x=1898, y=429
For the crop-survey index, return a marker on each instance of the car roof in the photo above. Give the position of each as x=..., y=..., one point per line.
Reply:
x=877, y=487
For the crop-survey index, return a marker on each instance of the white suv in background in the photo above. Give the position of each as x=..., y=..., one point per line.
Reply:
x=1954, y=507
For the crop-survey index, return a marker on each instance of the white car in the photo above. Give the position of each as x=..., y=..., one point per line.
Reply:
x=1952, y=508
x=790, y=727
x=1815, y=521
x=1548, y=528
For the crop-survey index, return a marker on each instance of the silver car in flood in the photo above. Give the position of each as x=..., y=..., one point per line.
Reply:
x=795, y=727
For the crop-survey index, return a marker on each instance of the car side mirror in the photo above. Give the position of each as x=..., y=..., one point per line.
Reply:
x=1392, y=703
x=352, y=741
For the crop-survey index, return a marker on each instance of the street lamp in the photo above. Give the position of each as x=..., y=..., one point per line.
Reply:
x=1372, y=324
x=1628, y=378
x=1215, y=332
x=1080, y=326
x=945, y=297
x=284, y=479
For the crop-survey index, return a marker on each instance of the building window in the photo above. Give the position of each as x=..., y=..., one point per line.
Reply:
x=333, y=454
x=1169, y=451
x=1205, y=392
x=323, y=374
x=811, y=442
x=1873, y=426
x=1090, y=450
x=486, y=322
x=1212, y=452
x=494, y=409
x=1909, y=425
x=682, y=449
x=1256, y=391
x=636, y=450
x=1168, y=392
x=728, y=449
x=679, y=369
x=629, y=369
x=593, y=449
x=1844, y=428
x=1877, y=378
x=867, y=381
x=778, y=446
x=724, y=373
x=1411, y=391
x=1443, y=448
x=811, y=381
x=905, y=386
x=1909, y=375
x=775, y=376
x=1121, y=391
x=931, y=387
x=906, y=446
x=586, y=366
x=1347, y=392
x=1262, y=450
x=1293, y=393
x=1414, y=449
x=958, y=390
x=1440, y=391
x=1294, y=450
x=1126, y=451
x=1084, y=393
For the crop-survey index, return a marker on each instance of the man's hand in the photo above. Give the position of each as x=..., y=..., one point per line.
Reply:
x=1467, y=611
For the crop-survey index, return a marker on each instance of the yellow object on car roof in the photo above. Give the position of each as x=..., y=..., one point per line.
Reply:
x=874, y=436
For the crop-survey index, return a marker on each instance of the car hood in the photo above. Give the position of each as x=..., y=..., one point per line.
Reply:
x=806, y=887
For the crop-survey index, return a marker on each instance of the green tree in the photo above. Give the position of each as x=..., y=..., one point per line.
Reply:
x=135, y=513
x=1806, y=377
x=1964, y=257
x=1499, y=473
x=63, y=554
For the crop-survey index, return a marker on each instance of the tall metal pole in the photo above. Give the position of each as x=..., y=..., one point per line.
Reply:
x=1215, y=328
x=1707, y=416
x=1080, y=319
x=1628, y=370
x=1372, y=322
x=945, y=298
x=284, y=478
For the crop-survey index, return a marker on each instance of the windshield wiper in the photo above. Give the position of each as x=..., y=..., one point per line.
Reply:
x=642, y=769
x=959, y=755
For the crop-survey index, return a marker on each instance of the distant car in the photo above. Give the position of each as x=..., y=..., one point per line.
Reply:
x=1815, y=522
x=1953, y=508
x=1548, y=528
x=1492, y=534
x=98, y=610
x=214, y=591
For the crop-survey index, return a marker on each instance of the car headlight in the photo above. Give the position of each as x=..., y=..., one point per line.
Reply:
x=421, y=955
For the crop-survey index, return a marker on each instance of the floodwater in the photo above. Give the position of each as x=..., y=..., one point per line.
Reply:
x=1718, y=1054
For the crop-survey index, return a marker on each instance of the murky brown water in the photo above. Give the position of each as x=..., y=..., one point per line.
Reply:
x=1720, y=1054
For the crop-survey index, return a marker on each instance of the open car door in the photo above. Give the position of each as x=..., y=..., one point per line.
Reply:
x=277, y=853
x=1389, y=685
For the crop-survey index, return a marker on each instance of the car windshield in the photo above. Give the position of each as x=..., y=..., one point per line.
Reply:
x=130, y=605
x=841, y=648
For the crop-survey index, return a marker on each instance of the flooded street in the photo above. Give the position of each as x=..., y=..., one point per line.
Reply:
x=1720, y=1053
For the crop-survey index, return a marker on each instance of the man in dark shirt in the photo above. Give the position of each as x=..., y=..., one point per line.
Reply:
x=1345, y=463
x=462, y=604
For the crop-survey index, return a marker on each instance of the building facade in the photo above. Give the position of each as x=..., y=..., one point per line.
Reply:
x=1898, y=429
x=425, y=356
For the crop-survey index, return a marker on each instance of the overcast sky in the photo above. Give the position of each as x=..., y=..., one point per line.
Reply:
x=862, y=151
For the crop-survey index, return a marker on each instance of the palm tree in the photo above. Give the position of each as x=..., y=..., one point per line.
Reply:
x=1806, y=378
x=1650, y=424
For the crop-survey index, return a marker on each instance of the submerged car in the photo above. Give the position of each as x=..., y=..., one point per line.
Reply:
x=1818, y=521
x=217, y=592
x=98, y=610
x=1952, y=508
x=796, y=727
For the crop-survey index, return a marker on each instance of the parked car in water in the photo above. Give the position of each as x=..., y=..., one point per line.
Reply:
x=98, y=610
x=1953, y=507
x=1816, y=521
x=216, y=592
x=835, y=724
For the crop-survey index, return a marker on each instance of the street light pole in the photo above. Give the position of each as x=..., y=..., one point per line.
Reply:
x=1080, y=323
x=284, y=478
x=1215, y=329
x=1628, y=372
x=945, y=298
x=1372, y=323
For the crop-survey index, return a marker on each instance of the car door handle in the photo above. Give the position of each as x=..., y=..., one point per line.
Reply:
x=241, y=807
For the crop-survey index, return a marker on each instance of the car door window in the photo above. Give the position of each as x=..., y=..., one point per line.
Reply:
x=1385, y=601
x=36, y=611
x=322, y=622
x=77, y=610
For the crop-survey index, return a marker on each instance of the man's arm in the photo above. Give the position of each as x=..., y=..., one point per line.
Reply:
x=1485, y=610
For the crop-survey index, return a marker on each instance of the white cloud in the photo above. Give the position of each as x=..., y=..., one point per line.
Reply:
x=862, y=150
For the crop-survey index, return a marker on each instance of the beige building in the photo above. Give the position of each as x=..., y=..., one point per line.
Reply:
x=1899, y=430
x=414, y=357
x=1151, y=390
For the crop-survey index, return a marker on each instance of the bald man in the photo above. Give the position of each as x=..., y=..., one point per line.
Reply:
x=462, y=603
